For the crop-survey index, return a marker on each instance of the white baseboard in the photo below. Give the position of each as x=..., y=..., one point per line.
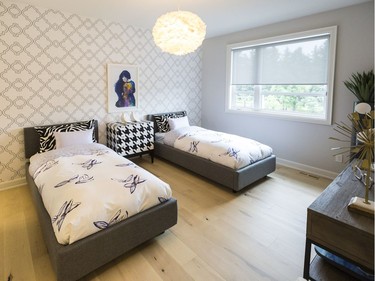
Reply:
x=11, y=184
x=306, y=168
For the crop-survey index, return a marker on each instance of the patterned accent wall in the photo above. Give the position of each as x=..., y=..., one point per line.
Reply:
x=53, y=70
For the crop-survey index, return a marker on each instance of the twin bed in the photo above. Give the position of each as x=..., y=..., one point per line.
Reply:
x=76, y=250
x=236, y=177
x=73, y=260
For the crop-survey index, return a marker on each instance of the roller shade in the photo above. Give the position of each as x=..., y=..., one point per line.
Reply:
x=302, y=62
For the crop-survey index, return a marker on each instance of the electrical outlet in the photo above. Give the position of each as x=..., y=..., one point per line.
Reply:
x=338, y=158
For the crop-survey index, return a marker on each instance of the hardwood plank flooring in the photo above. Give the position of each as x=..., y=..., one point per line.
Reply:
x=254, y=234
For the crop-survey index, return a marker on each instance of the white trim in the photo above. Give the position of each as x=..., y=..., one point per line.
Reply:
x=286, y=37
x=280, y=116
x=306, y=168
x=12, y=184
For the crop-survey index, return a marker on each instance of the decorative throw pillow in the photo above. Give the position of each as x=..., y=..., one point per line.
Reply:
x=162, y=120
x=72, y=138
x=179, y=122
x=46, y=133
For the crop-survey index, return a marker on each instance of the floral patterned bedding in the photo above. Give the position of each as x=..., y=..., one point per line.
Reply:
x=88, y=188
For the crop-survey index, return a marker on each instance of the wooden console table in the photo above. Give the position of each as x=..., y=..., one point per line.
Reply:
x=334, y=228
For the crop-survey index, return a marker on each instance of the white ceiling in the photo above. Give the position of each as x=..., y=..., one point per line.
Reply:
x=220, y=16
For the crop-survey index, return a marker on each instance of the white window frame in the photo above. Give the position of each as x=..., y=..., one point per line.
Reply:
x=327, y=120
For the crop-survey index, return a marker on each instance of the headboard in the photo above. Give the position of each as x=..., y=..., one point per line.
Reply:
x=31, y=138
x=163, y=117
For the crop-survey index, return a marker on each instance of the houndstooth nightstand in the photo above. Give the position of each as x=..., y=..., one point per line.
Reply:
x=131, y=138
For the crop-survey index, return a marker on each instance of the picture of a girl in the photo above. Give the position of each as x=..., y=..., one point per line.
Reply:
x=125, y=89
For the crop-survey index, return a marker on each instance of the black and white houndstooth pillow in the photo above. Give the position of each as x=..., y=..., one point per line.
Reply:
x=161, y=120
x=46, y=133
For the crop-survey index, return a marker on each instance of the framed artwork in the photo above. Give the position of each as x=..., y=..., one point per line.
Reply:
x=122, y=87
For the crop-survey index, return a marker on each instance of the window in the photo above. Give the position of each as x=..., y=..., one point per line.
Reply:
x=288, y=76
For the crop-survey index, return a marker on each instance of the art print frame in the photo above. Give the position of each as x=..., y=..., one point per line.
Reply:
x=123, y=91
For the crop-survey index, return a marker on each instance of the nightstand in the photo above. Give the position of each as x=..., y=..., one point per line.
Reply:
x=131, y=138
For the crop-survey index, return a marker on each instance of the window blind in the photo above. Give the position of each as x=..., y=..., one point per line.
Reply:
x=300, y=62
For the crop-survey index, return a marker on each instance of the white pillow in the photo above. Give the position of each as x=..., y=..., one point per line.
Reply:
x=71, y=138
x=175, y=123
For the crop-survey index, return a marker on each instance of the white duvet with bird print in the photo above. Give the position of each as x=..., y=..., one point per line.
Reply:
x=229, y=150
x=92, y=190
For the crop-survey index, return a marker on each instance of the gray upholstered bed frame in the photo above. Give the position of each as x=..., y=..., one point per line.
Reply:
x=234, y=179
x=74, y=261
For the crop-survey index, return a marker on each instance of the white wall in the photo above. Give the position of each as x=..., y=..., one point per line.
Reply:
x=299, y=143
x=53, y=70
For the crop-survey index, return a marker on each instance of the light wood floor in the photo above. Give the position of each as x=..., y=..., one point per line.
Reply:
x=256, y=234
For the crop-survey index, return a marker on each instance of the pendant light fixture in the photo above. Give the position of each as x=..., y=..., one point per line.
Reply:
x=179, y=32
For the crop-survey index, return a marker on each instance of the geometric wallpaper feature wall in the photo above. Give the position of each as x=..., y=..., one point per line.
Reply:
x=53, y=68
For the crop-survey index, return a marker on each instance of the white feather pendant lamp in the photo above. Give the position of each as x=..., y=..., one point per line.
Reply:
x=179, y=32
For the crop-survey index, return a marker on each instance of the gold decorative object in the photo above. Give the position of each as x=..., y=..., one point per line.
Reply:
x=361, y=153
x=179, y=32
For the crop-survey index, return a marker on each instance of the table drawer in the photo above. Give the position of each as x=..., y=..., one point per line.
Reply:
x=342, y=239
